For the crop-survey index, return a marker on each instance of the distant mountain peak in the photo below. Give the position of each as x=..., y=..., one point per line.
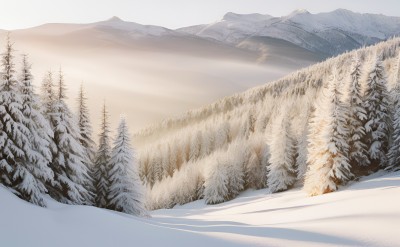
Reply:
x=230, y=16
x=299, y=12
x=115, y=19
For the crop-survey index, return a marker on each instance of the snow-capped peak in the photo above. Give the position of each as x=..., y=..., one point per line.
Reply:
x=230, y=16
x=299, y=12
x=114, y=19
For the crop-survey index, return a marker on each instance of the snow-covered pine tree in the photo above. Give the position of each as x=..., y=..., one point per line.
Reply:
x=48, y=96
x=358, y=154
x=394, y=151
x=195, y=146
x=126, y=188
x=70, y=173
x=23, y=165
x=102, y=160
x=216, y=183
x=378, y=116
x=235, y=169
x=301, y=159
x=85, y=130
x=281, y=172
x=39, y=156
x=328, y=148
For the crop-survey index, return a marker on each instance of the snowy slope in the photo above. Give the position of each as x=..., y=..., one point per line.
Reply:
x=366, y=213
x=332, y=33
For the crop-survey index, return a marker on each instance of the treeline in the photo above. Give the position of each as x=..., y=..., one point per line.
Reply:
x=46, y=149
x=319, y=127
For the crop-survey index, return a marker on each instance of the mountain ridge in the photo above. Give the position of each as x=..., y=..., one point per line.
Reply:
x=337, y=31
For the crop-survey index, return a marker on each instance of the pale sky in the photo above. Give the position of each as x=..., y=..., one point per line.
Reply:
x=15, y=14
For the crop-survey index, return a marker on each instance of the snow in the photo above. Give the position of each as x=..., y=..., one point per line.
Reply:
x=365, y=213
x=316, y=32
x=132, y=28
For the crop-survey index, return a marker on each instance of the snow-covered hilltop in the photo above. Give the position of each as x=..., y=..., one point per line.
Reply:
x=330, y=33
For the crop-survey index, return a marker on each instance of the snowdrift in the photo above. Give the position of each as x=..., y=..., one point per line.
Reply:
x=365, y=213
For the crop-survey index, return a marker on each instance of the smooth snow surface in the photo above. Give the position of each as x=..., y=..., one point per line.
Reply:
x=366, y=213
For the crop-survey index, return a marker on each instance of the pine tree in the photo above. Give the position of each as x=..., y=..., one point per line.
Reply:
x=216, y=183
x=71, y=174
x=48, y=96
x=101, y=170
x=281, y=172
x=301, y=159
x=328, y=148
x=377, y=106
x=85, y=130
x=126, y=189
x=394, y=151
x=358, y=154
x=23, y=162
x=39, y=158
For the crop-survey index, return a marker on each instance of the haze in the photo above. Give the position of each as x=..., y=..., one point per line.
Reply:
x=172, y=13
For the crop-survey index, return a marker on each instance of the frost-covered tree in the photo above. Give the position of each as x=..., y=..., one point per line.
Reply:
x=38, y=159
x=216, y=183
x=48, y=96
x=281, y=172
x=126, y=189
x=85, y=137
x=195, y=146
x=235, y=169
x=328, y=149
x=394, y=151
x=301, y=159
x=70, y=172
x=358, y=154
x=102, y=160
x=378, y=115
x=23, y=161
x=256, y=163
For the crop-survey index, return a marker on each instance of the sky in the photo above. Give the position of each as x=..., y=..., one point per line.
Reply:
x=16, y=14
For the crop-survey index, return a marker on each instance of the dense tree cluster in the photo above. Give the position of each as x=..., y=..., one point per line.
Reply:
x=319, y=127
x=47, y=149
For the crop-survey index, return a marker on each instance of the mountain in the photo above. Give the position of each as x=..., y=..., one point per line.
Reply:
x=150, y=72
x=254, y=219
x=330, y=33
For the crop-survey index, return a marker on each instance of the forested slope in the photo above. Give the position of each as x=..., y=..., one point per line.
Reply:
x=303, y=128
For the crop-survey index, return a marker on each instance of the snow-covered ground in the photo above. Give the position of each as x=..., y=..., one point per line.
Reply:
x=365, y=213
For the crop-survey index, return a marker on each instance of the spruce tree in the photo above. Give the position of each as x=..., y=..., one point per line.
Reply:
x=281, y=172
x=394, y=151
x=301, y=159
x=216, y=184
x=358, y=154
x=39, y=157
x=70, y=172
x=102, y=160
x=48, y=96
x=126, y=188
x=85, y=137
x=23, y=162
x=378, y=116
x=328, y=149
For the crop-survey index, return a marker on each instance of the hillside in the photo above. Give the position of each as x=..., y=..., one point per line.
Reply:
x=182, y=158
x=365, y=213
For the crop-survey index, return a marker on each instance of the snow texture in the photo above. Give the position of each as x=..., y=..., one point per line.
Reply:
x=256, y=218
